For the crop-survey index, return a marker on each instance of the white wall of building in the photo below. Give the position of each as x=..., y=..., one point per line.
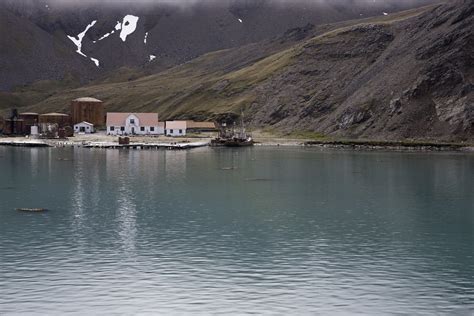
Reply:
x=132, y=126
x=175, y=128
x=83, y=128
x=175, y=132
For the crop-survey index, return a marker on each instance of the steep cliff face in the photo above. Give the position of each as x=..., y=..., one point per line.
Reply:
x=411, y=78
x=46, y=39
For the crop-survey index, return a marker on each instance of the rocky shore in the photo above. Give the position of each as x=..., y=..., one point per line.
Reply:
x=392, y=145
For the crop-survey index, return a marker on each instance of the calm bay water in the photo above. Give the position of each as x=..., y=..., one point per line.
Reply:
x=256, y=230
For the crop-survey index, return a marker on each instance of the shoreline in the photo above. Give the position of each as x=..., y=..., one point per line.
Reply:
x=150, y=142
x=422, y=146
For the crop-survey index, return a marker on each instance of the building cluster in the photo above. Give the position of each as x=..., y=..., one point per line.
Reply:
x=88, y=114
x=29, y=123
x=149, y=124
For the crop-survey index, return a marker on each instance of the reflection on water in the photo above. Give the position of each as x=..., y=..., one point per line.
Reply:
x=262, y=230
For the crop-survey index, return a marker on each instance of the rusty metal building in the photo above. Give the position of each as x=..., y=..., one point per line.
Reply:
x=88, y=110
x=14, y=125
x=29, y=119
x=62, y=120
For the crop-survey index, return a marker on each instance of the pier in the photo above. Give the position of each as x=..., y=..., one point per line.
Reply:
x=24, y=143
x=145, y=146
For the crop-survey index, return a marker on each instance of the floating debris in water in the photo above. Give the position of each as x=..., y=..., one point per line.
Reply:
x=32, y=210
x=8, y=188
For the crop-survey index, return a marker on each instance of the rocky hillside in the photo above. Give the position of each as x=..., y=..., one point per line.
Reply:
x=84, y=40
x=392, y=80
x=405, y=75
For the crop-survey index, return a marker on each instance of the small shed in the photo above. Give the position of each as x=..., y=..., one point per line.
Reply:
x=84, y=127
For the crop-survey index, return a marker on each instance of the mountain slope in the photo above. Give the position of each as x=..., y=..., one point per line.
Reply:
x=26, y=51
x=133, y=34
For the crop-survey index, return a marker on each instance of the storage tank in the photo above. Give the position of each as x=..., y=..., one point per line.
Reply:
x=89, y=110
x=29, y=119
x=62, y=120
x=34, y=131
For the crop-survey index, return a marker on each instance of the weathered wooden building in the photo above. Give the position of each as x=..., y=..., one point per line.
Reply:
x=200, y=127
x=88, y=110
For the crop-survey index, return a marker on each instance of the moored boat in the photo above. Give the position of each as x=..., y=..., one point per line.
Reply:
x=233, y=136
x=232, y=142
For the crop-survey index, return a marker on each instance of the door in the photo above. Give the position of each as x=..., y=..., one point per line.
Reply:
x=133, y=130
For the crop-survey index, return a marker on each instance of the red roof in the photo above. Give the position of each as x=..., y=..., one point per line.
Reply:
x=118, y=119
x=176, y=124
x=201, y=125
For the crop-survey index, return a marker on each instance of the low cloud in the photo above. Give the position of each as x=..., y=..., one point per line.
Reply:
x=186, y=4
x=193, y=2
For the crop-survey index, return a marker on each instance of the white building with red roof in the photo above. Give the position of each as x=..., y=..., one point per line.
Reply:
x=134, y=124
x=176, y=128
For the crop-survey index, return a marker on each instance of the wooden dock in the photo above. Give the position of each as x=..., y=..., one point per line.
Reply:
x=24, y=143
x=146, y=146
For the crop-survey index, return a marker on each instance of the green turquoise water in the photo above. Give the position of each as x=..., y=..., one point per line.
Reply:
x=235, y=231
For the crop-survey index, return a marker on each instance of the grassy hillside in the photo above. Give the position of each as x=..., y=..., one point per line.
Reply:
x=216, y=82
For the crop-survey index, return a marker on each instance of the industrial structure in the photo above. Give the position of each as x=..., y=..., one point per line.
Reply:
x=88, y=110
x=14, y=125
x=62, y=120
x=30, y=119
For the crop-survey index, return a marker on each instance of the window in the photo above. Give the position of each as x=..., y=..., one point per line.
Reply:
x=132, y=121
x=142, y=128
x=171, y=131
x=152, y=129
x=181, y=131
x=122, y=128
x=112, y=128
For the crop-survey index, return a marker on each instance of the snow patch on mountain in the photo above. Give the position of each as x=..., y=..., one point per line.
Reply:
x=146, y=36
x=106, y=35
x=152, y=57
x=96, y=61
x=129, y=25
x=78, y=41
